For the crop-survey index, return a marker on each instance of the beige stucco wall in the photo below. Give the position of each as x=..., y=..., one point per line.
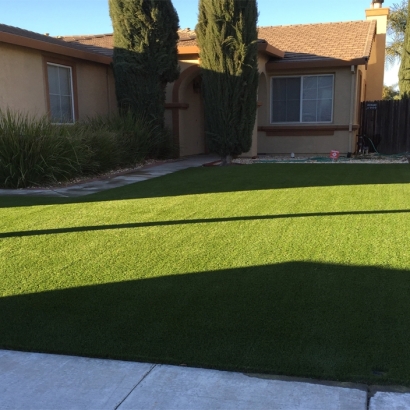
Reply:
x=191, y=133
x=22, y=80
x=311, y=145
x=375, y=69
x=343, y=141
x=95, y=90
x=23, y=83
x=192, y=127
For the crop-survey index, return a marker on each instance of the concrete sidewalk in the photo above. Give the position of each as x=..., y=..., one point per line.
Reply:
x=42, y=381
x=102, y=184
x=39, y=381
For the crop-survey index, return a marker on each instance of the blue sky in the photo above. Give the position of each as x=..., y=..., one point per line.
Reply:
x=62, y=17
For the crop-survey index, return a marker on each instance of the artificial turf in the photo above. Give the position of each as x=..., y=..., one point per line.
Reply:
x=292, y=269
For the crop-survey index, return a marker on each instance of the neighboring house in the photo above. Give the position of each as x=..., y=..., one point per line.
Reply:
x=312, y=80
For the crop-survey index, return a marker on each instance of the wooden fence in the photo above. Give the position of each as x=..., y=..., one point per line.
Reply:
x=387, y=124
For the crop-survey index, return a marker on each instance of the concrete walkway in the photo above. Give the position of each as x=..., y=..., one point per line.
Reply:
x=102, y=184
x=41, y=381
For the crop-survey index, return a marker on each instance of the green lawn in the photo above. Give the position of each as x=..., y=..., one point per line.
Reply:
x=292, y=269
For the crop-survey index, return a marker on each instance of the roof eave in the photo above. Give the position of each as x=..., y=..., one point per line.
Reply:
x=319, y=63
x=53, y=48
x=266, y=48
x=185, y=50
x=370, y=38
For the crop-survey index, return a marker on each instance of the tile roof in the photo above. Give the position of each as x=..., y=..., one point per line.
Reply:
x=301, y=43
x=343, y=41
x=102, y=43
x=187, y=38
x=41, y=39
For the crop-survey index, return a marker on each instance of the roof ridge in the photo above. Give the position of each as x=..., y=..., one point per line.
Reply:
x=23, y=29
x=84, y=36
x=317, y=24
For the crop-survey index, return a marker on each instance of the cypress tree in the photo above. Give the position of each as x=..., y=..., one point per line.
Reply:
x=145, y=54
x=404, y=72
x=227, y=39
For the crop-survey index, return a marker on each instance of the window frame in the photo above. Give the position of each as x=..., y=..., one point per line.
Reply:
x=65, y=63
x=302, y=76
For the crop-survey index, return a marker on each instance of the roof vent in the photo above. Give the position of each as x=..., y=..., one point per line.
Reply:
x=377, y=4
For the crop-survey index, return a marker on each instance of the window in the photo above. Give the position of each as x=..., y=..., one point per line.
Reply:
x=60, y=88
x=302, y=99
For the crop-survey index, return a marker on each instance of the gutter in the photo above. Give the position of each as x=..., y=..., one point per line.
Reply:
x=313, y=63
x=60, y=49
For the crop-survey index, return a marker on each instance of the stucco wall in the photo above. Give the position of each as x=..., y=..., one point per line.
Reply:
x=23, y=80
x=341, y=140
x=304, y=145
x=375, y=69
x=95, y=90
x=192, y=132
x=187, y=122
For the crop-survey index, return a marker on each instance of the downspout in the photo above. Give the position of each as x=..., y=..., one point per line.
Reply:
x=352, y=101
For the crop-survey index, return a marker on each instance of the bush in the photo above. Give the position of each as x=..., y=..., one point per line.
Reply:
x=35, y=152
x=135, y=140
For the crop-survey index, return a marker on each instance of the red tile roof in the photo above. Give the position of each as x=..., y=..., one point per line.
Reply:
x=342, y=41
x=346, y=41
x=103, y=43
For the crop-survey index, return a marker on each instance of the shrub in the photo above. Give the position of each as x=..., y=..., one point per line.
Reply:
x=136, y=140
x=35, y=152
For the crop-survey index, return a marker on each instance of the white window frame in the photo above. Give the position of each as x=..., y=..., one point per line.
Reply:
x=73, y=119
x=301, y=99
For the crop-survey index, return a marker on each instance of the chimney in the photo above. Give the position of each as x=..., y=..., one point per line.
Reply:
x=379, y=13
x=377, y=4
x=375, y=70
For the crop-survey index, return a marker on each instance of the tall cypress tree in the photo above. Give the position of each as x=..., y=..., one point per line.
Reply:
x=227, y=39
x=404, y=72
x=145, y=54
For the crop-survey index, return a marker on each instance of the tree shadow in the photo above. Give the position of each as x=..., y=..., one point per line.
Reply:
x=301, y=319
x=205, y=180
x=136, y=225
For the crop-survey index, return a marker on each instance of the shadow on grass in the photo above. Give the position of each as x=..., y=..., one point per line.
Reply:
x=137, y=225
x=206, y=180
x=297, y=319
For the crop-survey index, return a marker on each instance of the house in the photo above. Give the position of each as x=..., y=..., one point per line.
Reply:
x=311, y=82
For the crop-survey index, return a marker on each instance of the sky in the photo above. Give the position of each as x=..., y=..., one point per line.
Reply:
x=64, y=17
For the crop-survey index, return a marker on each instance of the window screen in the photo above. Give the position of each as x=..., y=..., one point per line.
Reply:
x=302, y=99
x=60, y=93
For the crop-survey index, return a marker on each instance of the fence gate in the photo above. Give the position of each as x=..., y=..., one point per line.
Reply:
x=387, y=125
